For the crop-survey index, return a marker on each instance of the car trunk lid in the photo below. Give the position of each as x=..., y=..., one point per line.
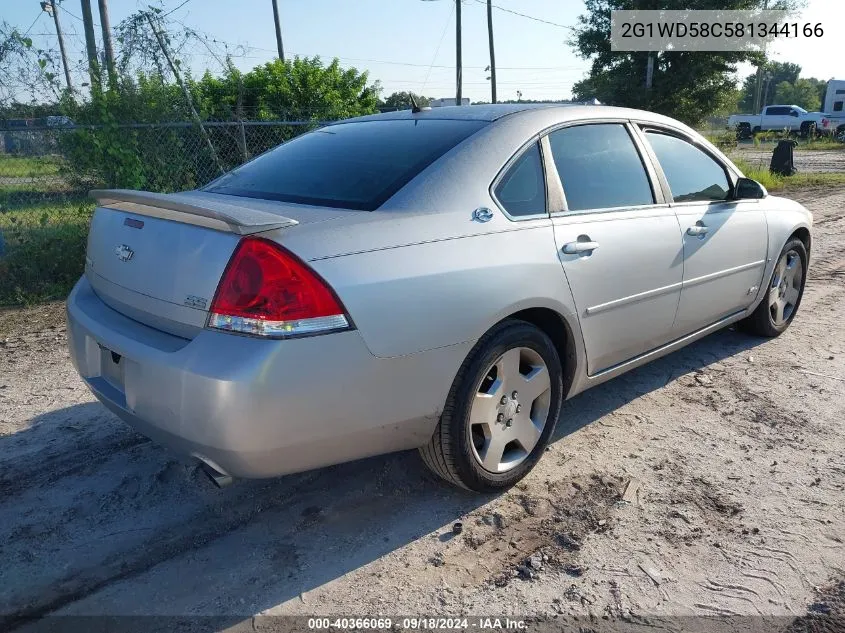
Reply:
x=158, y=258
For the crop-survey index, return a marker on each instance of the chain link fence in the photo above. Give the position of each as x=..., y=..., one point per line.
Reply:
x=47, y=171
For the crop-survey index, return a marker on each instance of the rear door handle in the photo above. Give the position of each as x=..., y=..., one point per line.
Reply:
x=574, y=248
x=699, y=230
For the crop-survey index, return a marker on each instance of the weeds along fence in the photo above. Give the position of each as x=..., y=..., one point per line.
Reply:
x=47, y=172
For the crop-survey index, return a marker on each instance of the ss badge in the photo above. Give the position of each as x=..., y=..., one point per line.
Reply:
x=196, y=302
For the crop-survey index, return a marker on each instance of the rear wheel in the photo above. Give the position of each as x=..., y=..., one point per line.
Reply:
x=808, y=130
x=501, y=411
x=783, y=296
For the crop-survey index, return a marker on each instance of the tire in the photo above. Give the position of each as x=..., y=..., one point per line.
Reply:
x=756, y=131
x=743, y=131
x=783, y=289
x=473, y=428
x=808, y=130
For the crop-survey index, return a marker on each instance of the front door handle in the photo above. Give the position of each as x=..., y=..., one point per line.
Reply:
x=575, y=248
x=699, y=230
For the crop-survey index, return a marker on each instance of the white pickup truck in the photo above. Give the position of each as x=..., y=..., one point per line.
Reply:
x=780, y=117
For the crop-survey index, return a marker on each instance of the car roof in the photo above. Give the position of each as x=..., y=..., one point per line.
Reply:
x=565, y=111
x=480, y=112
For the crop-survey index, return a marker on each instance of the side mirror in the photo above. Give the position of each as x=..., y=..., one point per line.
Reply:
x=793, y=113
x=747, y=189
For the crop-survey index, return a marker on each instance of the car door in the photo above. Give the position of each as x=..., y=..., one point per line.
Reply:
x=775, y=118
x=785, y=120
x=768, y=118
x=794, y=119
x=725, y=241
x=618, y=242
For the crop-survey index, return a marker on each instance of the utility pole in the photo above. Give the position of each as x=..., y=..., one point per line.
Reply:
x=649, y=71
x=458, y=65
x=90, y=45
x=52, y=8
x=278, y=30
x=175, y=70
x=759, y=82
x=492, y=50
x=107, y=43
x=765, y=98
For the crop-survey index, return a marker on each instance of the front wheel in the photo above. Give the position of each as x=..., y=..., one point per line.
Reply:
x=501, y=410
x=783, y=296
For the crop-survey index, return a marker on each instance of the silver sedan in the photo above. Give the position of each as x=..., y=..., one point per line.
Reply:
x=439, y=279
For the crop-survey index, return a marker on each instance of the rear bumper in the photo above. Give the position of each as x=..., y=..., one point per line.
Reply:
x=254, y=407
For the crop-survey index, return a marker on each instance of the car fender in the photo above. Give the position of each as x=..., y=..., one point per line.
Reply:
x=784, y=217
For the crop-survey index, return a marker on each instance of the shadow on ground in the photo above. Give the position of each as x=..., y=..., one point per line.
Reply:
x=95, y=519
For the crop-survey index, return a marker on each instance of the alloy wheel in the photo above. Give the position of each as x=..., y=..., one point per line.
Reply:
x=510, y=409
x=786, y=287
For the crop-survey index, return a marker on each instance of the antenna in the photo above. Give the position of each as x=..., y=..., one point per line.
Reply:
x=415, y=107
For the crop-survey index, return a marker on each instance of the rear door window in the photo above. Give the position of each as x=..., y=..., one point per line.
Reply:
x=356, y=165
x=522, y=189
x=599, y=167
x=692, y=174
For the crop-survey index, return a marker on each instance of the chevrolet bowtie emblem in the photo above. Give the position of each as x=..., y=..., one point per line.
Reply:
x=123, y=252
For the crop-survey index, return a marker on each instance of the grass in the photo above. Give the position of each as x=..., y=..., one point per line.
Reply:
x=726, y=140
x=42, y=251
x=774, y=182
x=817, y=143
x=822, y=143
x=28, y=166
x=723, y=140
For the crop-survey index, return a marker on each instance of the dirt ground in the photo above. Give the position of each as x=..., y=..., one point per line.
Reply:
x=709, y=482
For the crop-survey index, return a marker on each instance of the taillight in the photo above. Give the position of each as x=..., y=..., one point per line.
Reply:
x=268, y=291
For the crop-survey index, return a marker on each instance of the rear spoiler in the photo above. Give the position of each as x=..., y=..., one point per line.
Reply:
x=191, y=208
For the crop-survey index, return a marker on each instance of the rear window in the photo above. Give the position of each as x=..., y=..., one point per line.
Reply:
x=350, y=165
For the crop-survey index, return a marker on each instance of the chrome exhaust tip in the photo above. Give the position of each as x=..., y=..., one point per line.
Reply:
x=220, y=478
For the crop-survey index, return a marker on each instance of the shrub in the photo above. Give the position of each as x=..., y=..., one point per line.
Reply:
x=43, y=251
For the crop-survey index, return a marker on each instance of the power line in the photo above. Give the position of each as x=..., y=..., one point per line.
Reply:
x=437, y=50
x=248, y=47
x=410, y=64
x=184, y=2
x=530, y=17
x=70, y=13
x=40, y=13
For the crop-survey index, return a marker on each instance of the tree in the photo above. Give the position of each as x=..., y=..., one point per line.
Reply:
x=803, y=93
x=686, y=85
x=305, y=89
x=820, y=86
x=777, y=72
x=168, y=158
x=402, y=100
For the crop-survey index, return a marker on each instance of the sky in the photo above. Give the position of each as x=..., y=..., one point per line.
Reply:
x=406, y=44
